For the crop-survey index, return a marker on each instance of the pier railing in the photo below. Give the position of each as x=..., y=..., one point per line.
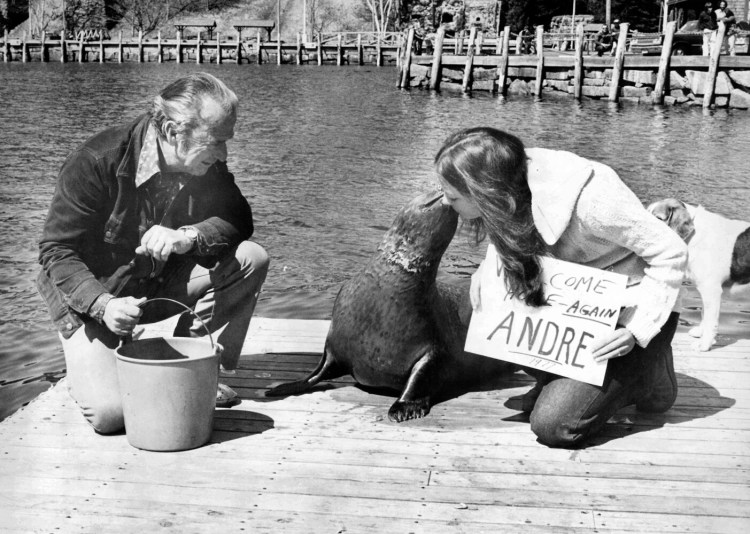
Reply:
x=498, y=65
x=339, y=48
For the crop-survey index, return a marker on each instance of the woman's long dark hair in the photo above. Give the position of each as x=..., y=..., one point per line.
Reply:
x=489, y=167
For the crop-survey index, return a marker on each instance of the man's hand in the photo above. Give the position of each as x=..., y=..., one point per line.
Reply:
x=122, y=314
x=618, y=343
x=159, y=242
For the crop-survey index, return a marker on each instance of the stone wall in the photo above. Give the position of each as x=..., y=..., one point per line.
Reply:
x=685, y=87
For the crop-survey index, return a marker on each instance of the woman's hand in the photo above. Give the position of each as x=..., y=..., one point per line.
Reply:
x=474, y=290
x=616, y=344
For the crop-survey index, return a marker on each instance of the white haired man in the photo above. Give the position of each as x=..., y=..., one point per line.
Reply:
x=147, y=210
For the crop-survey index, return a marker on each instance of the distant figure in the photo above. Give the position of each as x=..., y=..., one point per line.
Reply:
x=707, y=25
x=144, y=210
x=604, y=41
x=730, y=37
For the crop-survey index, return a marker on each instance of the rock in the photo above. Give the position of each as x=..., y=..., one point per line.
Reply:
x=419, y=71
x=450, y=86
x=594, y=81
x=642, y=77
x=560, y=85
x=483, y=85
x=629, y=91
x=676, y=81
x=697, y=81
x=452, y=74
x=480, y=74
x=678, y=95
x=670, y=100
x=557, y=74
x=519, y=87
x=596, y=74
x=740, y=77
x=522, y=72
x=595, y=91
x=739, y=99
x=721, y=101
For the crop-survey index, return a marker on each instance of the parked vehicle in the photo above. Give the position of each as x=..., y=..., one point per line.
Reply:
x=688, y=40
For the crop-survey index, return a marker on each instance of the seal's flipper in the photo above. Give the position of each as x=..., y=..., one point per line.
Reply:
x=415, y=401
x=327, y=369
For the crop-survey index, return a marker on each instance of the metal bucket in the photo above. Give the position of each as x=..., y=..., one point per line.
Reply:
x=168, y=388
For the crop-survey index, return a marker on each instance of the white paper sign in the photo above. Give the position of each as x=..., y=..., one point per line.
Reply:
x=584, y=303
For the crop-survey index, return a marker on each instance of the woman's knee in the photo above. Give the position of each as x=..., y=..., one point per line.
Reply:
x=556, y=429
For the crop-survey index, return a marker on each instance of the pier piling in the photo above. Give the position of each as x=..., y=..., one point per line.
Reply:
x=713, y=66
x=663, y=73
x=502, y=69
x=578, y=65
x=614, y=87
x=437, y=59
x=466, y=84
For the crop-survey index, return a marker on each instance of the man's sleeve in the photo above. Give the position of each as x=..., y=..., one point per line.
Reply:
x=72, y=222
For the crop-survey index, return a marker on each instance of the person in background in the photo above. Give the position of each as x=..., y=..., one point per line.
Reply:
x=723, y=13
x=149, y=210
x=604, y=41
x=707, y=25
x=536, y=202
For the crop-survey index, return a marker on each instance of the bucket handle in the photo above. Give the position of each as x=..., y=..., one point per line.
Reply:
x=188, y=308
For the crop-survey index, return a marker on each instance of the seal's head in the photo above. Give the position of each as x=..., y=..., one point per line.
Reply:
x=422, y=231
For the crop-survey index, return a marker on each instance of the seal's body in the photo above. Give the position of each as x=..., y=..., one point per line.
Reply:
x=393, y=326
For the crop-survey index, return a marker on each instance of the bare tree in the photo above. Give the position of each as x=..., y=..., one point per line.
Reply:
x=147, y=15
x=42, y=14
x=381, y=11
x=320, y=15
x=83, y=15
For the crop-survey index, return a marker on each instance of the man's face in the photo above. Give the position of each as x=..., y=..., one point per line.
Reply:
x=207, y=143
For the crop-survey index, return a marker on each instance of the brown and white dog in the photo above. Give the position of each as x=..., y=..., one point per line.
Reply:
x=718, y=257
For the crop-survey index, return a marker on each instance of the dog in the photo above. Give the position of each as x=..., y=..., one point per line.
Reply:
x=718, y=257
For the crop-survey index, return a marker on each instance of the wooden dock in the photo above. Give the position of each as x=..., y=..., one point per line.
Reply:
x=330, y=461
x=344, y=48
x=496, y=66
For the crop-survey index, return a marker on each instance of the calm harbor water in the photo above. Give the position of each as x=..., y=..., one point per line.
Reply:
x=326, y=157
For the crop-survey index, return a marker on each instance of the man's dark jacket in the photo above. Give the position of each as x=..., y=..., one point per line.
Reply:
x=94, y=224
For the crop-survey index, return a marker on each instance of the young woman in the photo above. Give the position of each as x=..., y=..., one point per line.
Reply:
x=535, y=202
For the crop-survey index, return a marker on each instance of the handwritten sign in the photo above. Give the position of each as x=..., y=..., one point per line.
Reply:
x=583, y=303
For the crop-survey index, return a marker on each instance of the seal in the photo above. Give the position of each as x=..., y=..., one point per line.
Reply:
x=393, y=327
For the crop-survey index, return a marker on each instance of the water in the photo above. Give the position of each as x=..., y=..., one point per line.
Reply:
x=326, y=156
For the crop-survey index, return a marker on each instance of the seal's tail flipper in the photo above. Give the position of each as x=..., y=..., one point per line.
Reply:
x=327, y=368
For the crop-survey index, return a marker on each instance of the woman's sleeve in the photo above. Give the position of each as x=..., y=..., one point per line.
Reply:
x=613, y=213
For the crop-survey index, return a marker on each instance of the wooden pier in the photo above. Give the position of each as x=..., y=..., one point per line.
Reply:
x=340, y=49
x=330, y=461
x=498, y=66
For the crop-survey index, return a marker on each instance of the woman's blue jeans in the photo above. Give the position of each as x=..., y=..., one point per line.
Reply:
x=568, y=411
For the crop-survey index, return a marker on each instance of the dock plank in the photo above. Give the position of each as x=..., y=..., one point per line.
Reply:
x=330, y=461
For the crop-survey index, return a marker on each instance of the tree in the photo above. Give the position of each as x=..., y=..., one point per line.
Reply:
x=84, y=15
x=320, y=15
x=42, y=14
x=147, y=15
x=381, y=11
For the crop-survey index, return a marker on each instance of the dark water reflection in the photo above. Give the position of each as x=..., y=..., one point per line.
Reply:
x=326, y=156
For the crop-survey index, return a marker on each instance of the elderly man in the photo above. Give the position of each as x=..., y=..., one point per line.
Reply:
x=147, y=210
